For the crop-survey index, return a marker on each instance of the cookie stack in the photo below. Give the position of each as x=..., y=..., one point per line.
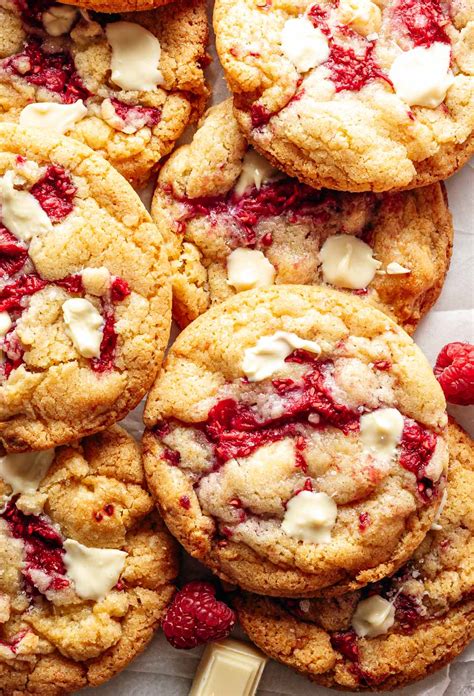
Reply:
x=296, y=439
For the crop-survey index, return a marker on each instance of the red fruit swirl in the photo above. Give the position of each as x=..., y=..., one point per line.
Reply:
x=13, y=254
x=416, y=449
x=350, y=71
x=137, y=115
x=43, y=547
x=423, y=21
x=454, y=370
x=55, y=193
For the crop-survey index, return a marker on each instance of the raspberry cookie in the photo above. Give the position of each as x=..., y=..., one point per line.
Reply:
x=86, y=565
x=125, y=85
x=398, y=630
x=232, y=222
x=119, y=5
x=356, y=95
x=296, y=441
x=84, y=292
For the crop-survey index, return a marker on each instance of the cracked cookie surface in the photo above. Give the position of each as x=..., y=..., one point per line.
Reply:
x=84, y=292
x=356, y=95
x=432, y=599
x=59, y=630
x=216, y=197
x=81, y=67
x=259, y=449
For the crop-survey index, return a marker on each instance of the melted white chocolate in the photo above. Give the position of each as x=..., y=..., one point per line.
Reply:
x=249, y=268
x=270, y=352
x=56, y=118
x=94, y=571
x=303, y=44
x=310, y=517
x=5, y=323
x=84, y=326
x=24, y=472
x=347, y=262
x=256, y=170
x=381, y=432
x=421, y=76
x=136, y=54
x=21, y=212
x=373, y=617
x=394, y=268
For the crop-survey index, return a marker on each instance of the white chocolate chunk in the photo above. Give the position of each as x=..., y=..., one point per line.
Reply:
x=249, y=268
x=84, y=326
x=394, y=268
x=436, y=525
x=381, y=432
x=96, y=281
x=303, y=44
x=435, y=466
x=270, y=352
x=228, y=667
x=21, y=212
x=24, y=472
x=310, y=517
x=52, y=117
x=347, y=262
x=5, y=323
x=421, y=76
x=373, y=617
x=256, y=170
x=136, y=54
x=94, y=571
x=58, y=19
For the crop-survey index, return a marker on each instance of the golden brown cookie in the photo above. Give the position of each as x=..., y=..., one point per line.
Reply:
x=354, y=95
x=296, y=441
x=126, y=85
x=84, y=292
x=231, y=222
x=398, y=630
x=87, y=567
x=119, y=5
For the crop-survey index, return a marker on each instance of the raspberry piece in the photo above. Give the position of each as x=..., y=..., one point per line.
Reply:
x=55, y=193
x=454, y=370
x=196, y=617
x=345, y=642
x=105, y=361
x=13, y=254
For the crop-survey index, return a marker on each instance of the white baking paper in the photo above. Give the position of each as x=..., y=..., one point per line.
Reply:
x=163, y=671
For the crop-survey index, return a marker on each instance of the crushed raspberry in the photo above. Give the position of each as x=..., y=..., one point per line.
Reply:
x=55, y=193
x=424, y=21
x=109, y=509
x=383, y=365
x=43, y=548
x=345, y=642
x=72, y=284
x=13, y=255
x=11, y=295
x=417, y=447
x=119, y=289
x=275, y=199
x=259, y=115
x=364, y=521
x=98, y=516
x=14, y=642
x=32, y=11
x=54, y=71
x=185, y=502
x=407, y=611
x=136, y=115
x=454, y=370
x=350, y=71
x=173, y=457
x=196, y=617
x=161, y=429
x=108, y=345
x=319, y=19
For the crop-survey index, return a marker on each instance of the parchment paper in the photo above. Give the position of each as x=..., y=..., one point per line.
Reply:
x=163, y=671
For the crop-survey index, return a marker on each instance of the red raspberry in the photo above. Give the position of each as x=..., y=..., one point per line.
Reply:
x=196, y=617
x=454, y=370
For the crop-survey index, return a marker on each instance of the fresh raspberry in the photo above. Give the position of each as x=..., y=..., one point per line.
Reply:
x=454, y=370
x=196, y=617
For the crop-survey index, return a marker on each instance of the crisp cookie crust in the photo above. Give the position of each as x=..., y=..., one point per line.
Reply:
x=224, y=456
x=432, y=596
x=132, y=128
x=97, y=242
x=52, y=641
x=119, y=5
x=341, y=124
x=203, y=218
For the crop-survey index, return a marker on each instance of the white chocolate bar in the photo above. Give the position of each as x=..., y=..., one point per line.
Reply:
x=228, y=667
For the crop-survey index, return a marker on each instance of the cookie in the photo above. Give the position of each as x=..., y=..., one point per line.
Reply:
x=84, y=292
x=87, y=566
x=119, y=5
x=231, y=222
x=355, y=95
x=396, y=631
x=296, y=441
x=125, y=85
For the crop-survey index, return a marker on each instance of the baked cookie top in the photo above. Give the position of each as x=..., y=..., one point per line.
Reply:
x=119, y=5
x=126, y=85
x=398, y=630
x=84, y=292
x=296, y=441
x=86, y=567
x=357, y=95
x=232, y=222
